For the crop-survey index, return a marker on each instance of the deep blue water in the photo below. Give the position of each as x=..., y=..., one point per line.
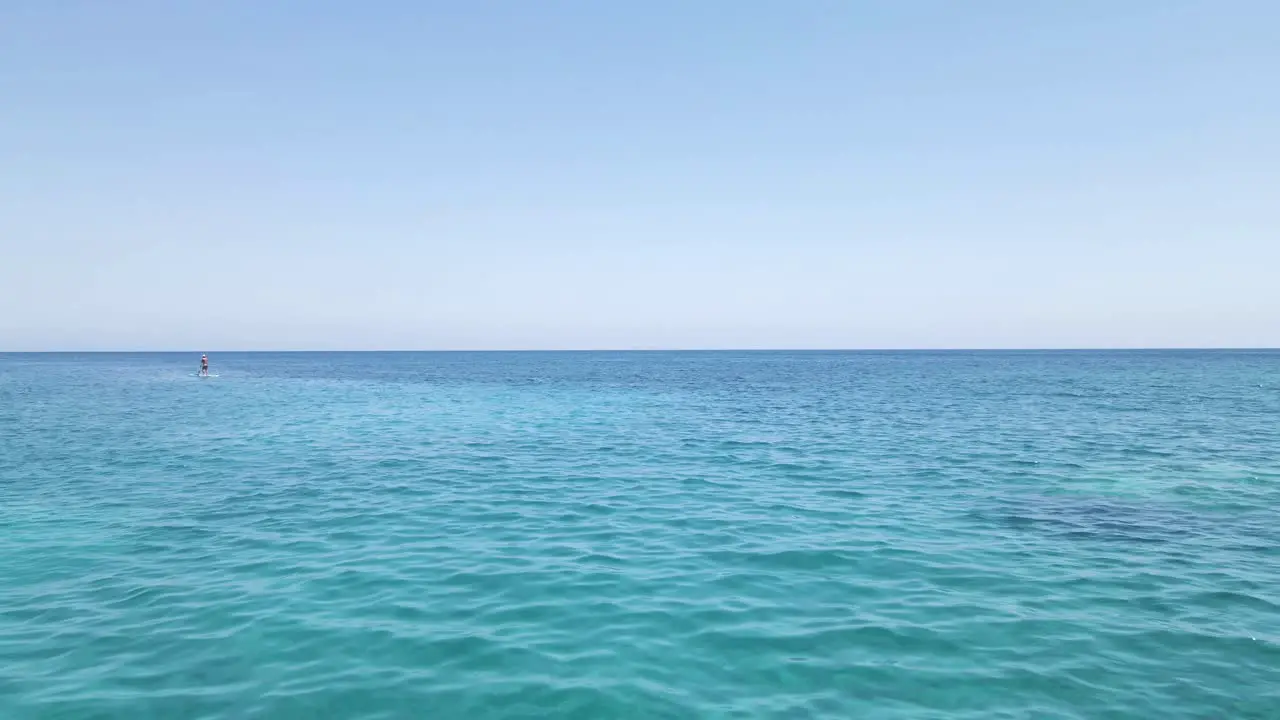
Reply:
x=641, y=535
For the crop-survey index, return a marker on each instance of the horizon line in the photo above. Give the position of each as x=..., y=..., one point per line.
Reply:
x=1185, y=348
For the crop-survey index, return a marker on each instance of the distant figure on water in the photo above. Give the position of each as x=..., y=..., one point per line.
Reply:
x=204, y=365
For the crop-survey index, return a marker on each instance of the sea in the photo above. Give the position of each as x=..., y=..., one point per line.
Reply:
x=900, y=535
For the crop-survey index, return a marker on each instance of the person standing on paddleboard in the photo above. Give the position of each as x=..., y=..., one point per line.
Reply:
x=204, y=364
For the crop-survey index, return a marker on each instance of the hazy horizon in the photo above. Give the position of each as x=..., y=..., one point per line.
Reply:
x=564, y=175
x=816, y=350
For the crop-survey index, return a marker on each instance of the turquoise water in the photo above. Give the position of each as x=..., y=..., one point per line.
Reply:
x=641, y=535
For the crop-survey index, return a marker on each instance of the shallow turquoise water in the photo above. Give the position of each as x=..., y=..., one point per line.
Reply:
x=647, y=535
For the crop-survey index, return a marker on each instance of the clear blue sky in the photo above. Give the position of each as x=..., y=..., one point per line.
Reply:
x=398, y=174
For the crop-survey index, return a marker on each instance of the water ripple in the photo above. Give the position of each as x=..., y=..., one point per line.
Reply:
x=650, y=535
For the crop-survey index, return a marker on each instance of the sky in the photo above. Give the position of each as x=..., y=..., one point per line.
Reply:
x=405, y=174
